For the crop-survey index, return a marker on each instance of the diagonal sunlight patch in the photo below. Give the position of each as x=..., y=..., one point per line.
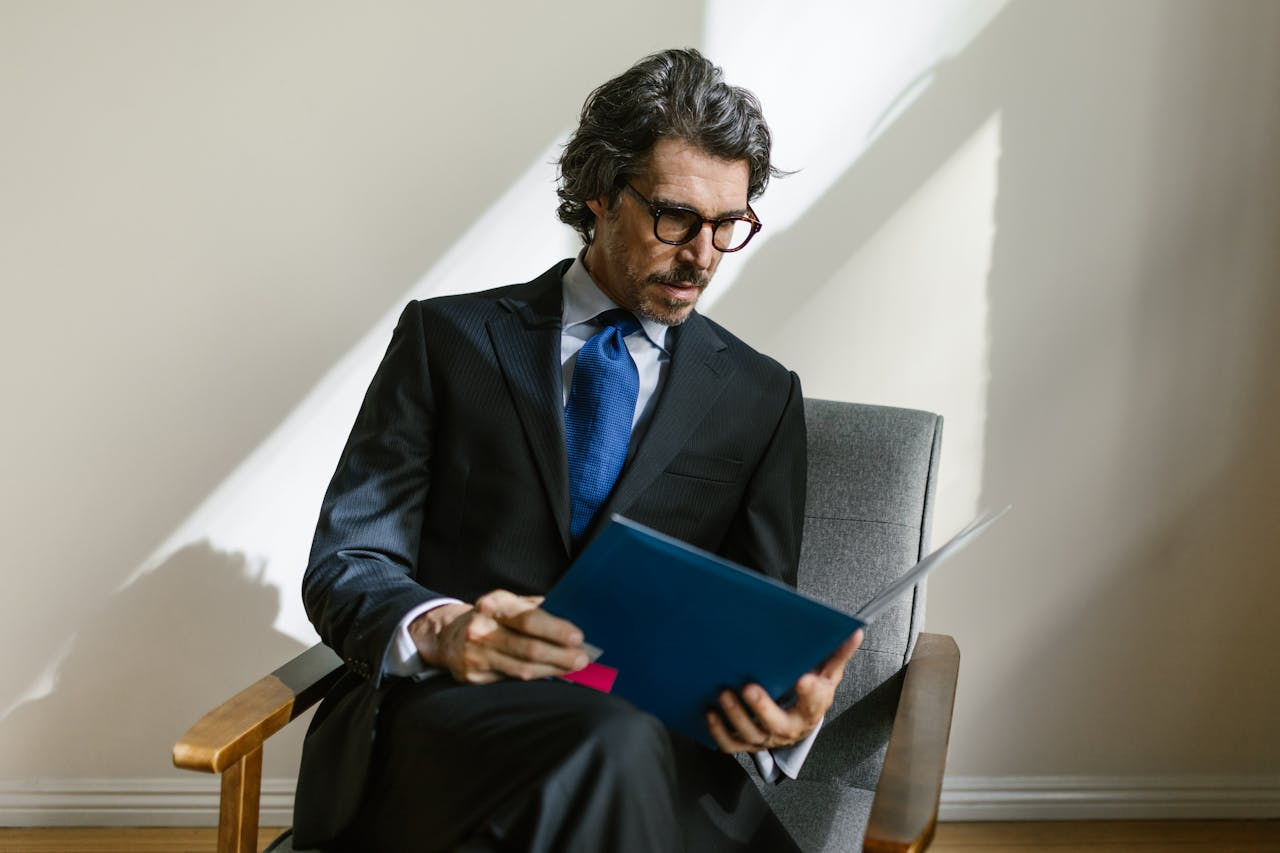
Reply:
x=46, y=681
x=267, y=507
x=908, y=315
x=835, y=77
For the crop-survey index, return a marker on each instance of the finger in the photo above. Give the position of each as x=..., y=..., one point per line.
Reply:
x=744, y=727
x=500, y=602
x=537, y=622
x=833, y=667
x=781, y=726
x=489, y=651
x=478, y=627
x=482, y=665
x=523, y=647
x=468, y=659
x=523, y=669
x=724, y=739
x=814, y=695
x=521, y=613
x=483, y=631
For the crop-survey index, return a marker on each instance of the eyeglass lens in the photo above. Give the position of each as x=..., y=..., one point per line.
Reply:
x=679, y=226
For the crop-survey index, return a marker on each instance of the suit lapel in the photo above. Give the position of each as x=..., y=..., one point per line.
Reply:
x=699, y=372
x=526, y=338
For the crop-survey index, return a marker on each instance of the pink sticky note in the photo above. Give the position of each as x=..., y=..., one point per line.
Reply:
x=597, y=676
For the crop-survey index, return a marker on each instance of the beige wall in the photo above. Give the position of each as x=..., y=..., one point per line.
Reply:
x=1064, y=240
x=204, y=208
x=1119, y=166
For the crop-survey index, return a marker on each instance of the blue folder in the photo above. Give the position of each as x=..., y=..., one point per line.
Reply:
x=680, y=624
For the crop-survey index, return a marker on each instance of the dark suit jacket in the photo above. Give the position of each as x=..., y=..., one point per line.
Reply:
x=454, y=482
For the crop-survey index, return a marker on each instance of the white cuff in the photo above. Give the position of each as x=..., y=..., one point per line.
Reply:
x=402, y=654
x=786, y=761
x=766, y=766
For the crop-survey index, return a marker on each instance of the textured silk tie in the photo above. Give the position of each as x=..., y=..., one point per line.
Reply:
x=597, y=418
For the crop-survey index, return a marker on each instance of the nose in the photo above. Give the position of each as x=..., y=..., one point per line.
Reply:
x=700, y=251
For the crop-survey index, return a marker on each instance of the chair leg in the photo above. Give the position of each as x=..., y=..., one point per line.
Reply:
x=238, y=808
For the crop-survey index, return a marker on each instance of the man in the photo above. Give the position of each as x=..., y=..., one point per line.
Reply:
x=498, y=432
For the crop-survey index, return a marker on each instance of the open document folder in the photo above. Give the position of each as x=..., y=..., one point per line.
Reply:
x=674, y=625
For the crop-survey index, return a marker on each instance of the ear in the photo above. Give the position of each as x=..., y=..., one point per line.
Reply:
x=598, y=206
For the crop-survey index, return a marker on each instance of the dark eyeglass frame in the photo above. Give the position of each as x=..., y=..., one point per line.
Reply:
x=657, y=210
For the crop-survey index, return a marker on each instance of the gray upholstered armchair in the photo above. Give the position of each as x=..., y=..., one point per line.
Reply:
x=875, y=774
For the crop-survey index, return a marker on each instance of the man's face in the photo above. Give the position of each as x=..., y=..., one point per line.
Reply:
x=637, y=270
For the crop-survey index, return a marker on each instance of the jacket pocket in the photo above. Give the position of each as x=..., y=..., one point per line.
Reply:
x=716, y=468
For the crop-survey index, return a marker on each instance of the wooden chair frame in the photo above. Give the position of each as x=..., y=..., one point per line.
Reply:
x=229, y=739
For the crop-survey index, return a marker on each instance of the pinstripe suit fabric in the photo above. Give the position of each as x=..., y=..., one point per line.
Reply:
x=454, y=482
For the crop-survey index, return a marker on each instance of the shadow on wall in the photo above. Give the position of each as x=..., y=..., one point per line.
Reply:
x=147, y=663
x=1132, y=291
x=1131, y=294
x=794, y=266
x=247, y=191
x=847, y=295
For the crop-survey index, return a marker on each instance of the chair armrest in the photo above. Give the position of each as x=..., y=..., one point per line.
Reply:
x=904, y=812
x=239, y=726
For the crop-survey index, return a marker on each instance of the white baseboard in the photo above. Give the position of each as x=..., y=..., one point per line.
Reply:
x=131, y=802
x=194, y=801
x=1110, y=798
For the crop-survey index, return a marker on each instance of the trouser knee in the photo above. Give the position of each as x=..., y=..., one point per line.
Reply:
x=633, y=745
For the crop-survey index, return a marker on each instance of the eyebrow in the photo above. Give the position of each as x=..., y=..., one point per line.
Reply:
x=667, y=202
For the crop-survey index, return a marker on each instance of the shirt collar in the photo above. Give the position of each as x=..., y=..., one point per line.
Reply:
x=584, y=300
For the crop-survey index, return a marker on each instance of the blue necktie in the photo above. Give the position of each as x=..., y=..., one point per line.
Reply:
x=597, y=418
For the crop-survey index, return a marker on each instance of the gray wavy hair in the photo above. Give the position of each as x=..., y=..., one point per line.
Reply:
x=676, y=93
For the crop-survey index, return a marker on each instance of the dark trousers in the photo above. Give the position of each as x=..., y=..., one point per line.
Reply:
x=549, y=766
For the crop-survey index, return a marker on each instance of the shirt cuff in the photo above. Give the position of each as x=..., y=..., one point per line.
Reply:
x=784, y=761
x=402, y=657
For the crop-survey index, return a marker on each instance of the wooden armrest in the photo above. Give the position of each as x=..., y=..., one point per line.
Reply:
x=904, y=812
x=238, y=726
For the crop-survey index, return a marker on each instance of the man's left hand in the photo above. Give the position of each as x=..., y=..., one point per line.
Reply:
x=753, y=721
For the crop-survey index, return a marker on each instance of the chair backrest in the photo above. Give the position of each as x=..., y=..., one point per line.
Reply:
x=872, y=471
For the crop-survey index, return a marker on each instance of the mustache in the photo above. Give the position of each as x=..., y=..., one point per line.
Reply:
x=676, y=275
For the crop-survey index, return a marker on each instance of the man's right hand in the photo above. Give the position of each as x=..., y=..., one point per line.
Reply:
x=503, y=636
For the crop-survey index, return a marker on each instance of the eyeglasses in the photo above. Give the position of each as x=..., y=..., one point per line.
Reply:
x=678, y=225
